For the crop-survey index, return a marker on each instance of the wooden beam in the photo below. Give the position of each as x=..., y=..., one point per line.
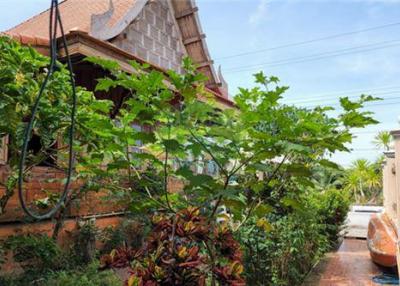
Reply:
x=187, y=12
x=194, y=39
x=204, y=64
x=213, y=85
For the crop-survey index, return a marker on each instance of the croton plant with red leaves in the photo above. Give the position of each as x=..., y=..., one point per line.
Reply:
x=182, y=249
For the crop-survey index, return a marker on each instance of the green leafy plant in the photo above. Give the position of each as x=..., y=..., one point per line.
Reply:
x=167, y=126
x=283, y=255
x=37, y=252
x=88, y=276
x=332, y=207
x=85, y=276
x=363, y=180
x=85, y=240
x=383, y=140
x=21, y=74
x=129, y=233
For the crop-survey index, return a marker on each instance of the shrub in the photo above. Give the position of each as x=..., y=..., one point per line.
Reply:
x=129, y=233
x=38, y=252
x=44, y=263
x=182, y=249
x=331, y=208
x=85, y=241
x=88, y=276
x=283, y=255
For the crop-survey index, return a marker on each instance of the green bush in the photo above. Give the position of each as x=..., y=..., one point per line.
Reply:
x=88, y=276
x=34, y=251
x=296, y=241
x=285, y=254
x=130, y=232
x=38, y=255
x=331, y=208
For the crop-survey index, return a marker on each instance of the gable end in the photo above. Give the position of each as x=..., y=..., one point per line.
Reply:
x=154, y=36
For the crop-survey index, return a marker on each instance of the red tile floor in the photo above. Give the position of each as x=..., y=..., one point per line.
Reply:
x=350, y=265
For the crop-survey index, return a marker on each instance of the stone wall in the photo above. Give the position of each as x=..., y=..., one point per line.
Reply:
x=154, y=36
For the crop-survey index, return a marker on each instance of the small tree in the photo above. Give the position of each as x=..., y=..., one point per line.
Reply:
x=364, y=180
x=383, y=140
x=265, y=150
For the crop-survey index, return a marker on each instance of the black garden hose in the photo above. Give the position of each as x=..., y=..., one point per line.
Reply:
x=55, y=20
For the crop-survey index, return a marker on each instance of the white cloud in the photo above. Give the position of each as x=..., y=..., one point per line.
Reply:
x=258, y=15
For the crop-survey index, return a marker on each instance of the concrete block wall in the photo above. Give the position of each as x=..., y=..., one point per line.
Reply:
x=154, y=37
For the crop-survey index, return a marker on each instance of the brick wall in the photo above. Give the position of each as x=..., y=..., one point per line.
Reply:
x=50, y=180
x=154, y=36
x=92, y=203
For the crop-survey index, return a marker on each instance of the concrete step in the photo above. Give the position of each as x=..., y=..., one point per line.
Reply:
x=358, y=219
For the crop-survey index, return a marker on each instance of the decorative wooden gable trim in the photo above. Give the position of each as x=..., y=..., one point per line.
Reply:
x=4, y=150
x=102, y=31
x=186, y=14
x=197, y=38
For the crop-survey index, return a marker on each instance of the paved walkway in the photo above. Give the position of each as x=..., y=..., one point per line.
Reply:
x=349, y=266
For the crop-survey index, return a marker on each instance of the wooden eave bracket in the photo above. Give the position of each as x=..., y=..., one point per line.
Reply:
x=204, y=64
x=194, y=39
x=186, y=13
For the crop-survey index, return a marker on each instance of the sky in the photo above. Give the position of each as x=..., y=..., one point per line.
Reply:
x=352, y=47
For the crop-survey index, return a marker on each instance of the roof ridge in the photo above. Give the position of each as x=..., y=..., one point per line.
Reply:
x=9, y=31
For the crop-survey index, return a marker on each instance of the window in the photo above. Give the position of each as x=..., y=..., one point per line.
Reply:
x=138, y=143
x=36, y=147
x=212, y=168
x=200, y=165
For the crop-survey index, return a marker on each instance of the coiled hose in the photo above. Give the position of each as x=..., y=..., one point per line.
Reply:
x=55, y=22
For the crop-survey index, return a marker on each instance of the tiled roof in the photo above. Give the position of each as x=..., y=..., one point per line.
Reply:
x=76, y=15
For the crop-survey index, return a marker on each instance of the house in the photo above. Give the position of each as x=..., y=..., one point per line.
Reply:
x=158, y=32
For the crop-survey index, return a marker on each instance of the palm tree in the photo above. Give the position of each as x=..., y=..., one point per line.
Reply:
x=383, y=140
x=361, y=165
x=352, y=185
x=364, y=180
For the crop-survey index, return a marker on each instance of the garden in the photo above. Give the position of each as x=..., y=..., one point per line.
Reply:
x=258, y=204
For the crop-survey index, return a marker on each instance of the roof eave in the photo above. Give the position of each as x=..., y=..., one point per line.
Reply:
x=90, y=46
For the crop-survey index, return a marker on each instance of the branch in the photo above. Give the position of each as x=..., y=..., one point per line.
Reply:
x=219, y=198
x=209, y=152
x=277, y=168
x=253, y=204
x=244, y=163
x=148, y=191
x=166, y=172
